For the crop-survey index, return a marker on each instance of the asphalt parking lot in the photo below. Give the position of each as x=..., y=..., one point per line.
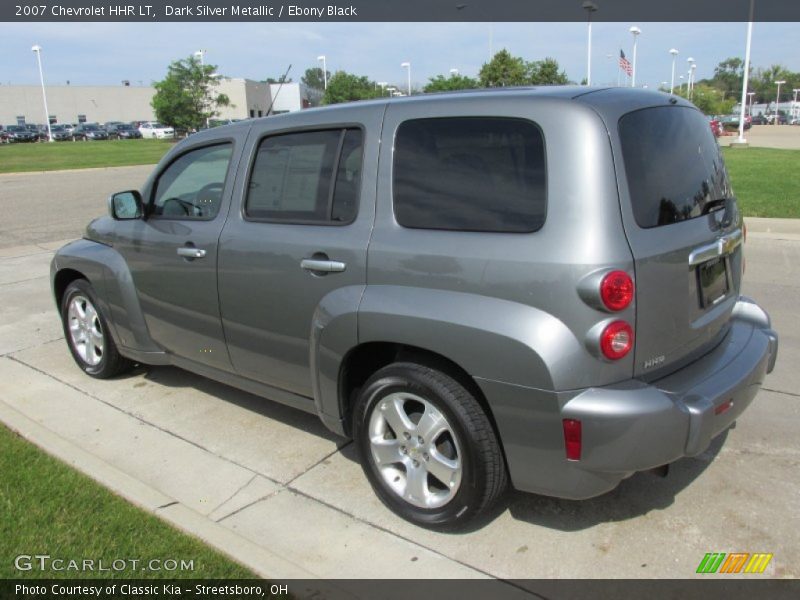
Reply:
x=271, y=487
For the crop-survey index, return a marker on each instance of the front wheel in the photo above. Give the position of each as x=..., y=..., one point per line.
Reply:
x=87, y=333
x=427, y=446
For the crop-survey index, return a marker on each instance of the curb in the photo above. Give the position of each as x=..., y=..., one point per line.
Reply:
x=262, y=562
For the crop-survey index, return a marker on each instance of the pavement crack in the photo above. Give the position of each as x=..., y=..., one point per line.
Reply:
x=23, y=280
x=18, y=350
x=167, y=505
x=781, y=392
x=316, y=464
x=406, y=539
x=234, y=494
x=142, y=420
x=249, y=504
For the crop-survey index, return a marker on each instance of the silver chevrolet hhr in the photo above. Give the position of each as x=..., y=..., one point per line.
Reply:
x=534, y=286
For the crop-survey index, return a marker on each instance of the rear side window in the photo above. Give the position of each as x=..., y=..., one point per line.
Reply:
x=673, y=165
x=470, y=174
x=308, y=177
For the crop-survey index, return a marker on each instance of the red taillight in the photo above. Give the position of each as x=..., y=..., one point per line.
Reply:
x=616, y=290
x=616, y=340
x=744, y=231
x=572, y=438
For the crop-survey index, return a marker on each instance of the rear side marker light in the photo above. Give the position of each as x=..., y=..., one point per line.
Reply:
x=572, y=438
x=616, y=290
x=616, y=340
x=723, y=407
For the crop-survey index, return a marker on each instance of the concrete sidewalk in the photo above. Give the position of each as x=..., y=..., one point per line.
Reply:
x=270, y=486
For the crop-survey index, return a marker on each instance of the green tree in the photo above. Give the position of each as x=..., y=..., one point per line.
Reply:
x=545, y=72
x=507, y=70
x=187, y=97
x=504, y=70
x=346, y=87
x=709, y=99
x=728, y=76
x=440, y=83
x=763, y=84
x=314, y=78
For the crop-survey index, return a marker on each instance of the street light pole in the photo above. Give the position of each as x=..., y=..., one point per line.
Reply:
x=674, y=53
x=751, y=94
x=778, y=99
x=37, y=50
x=407, y=65
x=689, y=60
x=746, y=74
x=589, y=7
x=635, y=31
x=324, y=70
x=691, y=79
x=794, y=103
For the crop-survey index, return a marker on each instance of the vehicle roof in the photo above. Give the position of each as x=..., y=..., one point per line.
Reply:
x=608, y=101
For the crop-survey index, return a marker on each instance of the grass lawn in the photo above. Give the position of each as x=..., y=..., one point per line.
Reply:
x=766, y=181
x=16, y=158
x=49, y=508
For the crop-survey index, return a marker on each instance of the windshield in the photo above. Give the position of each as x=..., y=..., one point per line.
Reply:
x=673, y=165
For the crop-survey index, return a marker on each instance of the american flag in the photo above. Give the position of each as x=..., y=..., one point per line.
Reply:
x=625, y=64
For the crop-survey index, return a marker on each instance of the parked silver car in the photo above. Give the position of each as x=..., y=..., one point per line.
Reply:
x=539, y=285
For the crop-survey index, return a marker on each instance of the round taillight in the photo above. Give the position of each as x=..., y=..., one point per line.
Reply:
x=616, y=340
x=616, y=290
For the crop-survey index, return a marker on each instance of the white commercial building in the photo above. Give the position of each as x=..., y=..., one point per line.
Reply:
x=100, y=104
x=75, y=104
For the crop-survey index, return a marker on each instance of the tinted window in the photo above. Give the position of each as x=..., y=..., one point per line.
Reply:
x=673, y=165
x=191, y=187
x=309, y=177
x=470, y=174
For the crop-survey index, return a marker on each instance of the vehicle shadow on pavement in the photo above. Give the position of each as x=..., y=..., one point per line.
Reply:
x=174, y=377
x=634, y=497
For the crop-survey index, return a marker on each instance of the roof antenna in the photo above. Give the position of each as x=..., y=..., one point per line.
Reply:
x=271, y=104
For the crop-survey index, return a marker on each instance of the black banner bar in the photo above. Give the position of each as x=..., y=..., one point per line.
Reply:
x=729, y=588
x=396, y=10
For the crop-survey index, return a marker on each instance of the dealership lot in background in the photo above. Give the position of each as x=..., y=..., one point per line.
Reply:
x=249, y=475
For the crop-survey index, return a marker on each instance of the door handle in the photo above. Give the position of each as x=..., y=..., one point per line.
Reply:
x=322, y=266
x=189, y=252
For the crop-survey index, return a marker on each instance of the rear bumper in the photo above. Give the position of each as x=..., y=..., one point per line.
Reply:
x=636, y=426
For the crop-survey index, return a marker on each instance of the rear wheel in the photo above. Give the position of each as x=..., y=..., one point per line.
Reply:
x=427, y=447
x=87, y=333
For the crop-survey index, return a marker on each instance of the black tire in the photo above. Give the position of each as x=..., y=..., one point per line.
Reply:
x=483, y=477
x=101, y=365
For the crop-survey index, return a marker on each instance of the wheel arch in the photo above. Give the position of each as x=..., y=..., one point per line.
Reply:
x=362, y=361
x=61, y=280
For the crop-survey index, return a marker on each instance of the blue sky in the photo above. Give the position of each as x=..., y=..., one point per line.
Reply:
x=106, y=53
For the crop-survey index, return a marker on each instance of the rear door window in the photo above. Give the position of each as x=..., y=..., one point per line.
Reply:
x=309, y=177
x=470, y=174
x=673, y=165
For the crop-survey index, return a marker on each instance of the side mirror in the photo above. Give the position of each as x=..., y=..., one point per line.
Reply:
x=124, y=206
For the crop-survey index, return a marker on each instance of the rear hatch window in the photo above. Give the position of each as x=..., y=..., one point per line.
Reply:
x=685, y=239
x=674, y=167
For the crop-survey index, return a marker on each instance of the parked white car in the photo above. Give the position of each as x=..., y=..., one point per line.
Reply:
x=151, y=129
